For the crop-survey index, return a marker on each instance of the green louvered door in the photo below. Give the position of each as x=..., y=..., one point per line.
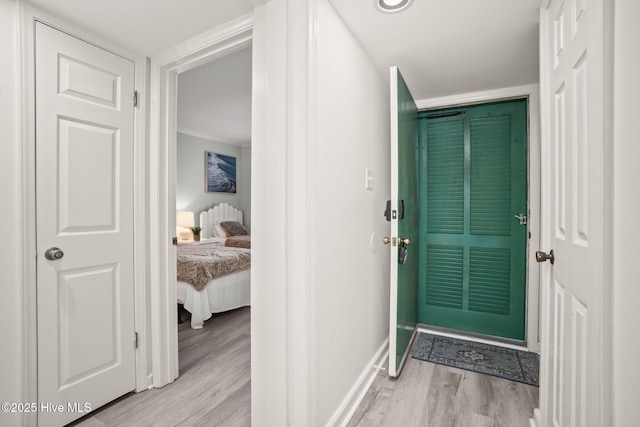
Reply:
x=474, y=184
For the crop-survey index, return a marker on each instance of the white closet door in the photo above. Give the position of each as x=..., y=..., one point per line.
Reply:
x=84, y=155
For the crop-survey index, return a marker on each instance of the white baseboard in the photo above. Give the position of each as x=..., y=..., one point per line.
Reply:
x=350, y=403
x=536, y=421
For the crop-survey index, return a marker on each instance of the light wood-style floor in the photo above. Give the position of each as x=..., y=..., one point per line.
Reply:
x=213, y=389
x=430, y=395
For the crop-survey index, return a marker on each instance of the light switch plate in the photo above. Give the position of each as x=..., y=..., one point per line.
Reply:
x=368, y=179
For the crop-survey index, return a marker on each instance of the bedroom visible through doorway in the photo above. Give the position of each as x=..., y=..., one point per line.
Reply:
x=213, y=109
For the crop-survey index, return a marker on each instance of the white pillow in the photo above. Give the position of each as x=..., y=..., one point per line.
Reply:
x=219, y=231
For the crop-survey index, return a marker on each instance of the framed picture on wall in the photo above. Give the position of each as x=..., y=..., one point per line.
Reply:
x=220, y=173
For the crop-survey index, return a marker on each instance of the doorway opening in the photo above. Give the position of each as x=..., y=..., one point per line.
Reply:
x=214, y=122
x=164, y=73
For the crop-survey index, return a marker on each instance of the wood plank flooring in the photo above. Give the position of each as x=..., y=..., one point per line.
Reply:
x=431, y=395
x=214, y=387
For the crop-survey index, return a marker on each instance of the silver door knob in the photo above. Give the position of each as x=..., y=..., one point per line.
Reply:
x=542, y=256
x=53, y=254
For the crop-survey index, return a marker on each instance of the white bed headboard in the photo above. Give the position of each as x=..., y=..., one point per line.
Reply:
x=218, y=213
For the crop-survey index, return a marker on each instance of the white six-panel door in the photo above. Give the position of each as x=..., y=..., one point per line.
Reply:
x=574, y=365
x=84, y=178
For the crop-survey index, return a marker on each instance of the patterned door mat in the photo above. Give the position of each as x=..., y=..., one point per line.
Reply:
x=514, y=365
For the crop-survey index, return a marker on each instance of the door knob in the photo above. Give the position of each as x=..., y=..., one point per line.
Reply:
x=401, y=241
x=542, y=256
x=53, y=254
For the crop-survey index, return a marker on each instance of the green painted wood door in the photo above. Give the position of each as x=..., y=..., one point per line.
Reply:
x=403, y=281
x=473, y=184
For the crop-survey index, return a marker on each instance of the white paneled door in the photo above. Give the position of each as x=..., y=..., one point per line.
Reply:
x=574, y=371
x=84, y=178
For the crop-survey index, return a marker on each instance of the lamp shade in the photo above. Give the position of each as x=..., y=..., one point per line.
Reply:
x=184, y=219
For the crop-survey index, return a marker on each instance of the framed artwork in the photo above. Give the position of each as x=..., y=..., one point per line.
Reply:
x=220, y=173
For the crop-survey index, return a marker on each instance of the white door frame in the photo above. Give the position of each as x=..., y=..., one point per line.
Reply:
x=165, y=67
x=28, y=16
x=283, y=35
x=532, y=94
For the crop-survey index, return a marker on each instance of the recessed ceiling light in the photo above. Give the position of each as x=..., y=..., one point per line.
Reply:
x=391, y=6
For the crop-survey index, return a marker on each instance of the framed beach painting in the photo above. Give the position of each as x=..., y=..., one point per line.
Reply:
x=220, y=173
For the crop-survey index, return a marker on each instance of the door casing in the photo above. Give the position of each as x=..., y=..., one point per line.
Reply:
x=531, y=93
x=163, y=82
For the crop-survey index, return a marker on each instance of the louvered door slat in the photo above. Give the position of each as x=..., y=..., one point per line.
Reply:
x=445, y=174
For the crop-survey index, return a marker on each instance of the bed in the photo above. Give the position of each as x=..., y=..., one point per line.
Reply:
x=225, y=223
x=213, y=278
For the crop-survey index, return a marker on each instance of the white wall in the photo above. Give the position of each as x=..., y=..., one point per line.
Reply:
x=319, y=292
x=352, y=283
x=269, y=379
x=190, y=176
x=626, y=206
x=11, y=260
x=244, y=183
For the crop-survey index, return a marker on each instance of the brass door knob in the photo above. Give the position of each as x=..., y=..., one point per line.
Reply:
x=401, y=241
x=542, y=256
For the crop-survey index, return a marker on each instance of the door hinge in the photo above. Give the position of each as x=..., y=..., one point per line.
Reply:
x=135, y=98
x=135, y=340
x=174, y=241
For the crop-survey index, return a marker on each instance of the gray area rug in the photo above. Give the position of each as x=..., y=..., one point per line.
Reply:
x=514, y=365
